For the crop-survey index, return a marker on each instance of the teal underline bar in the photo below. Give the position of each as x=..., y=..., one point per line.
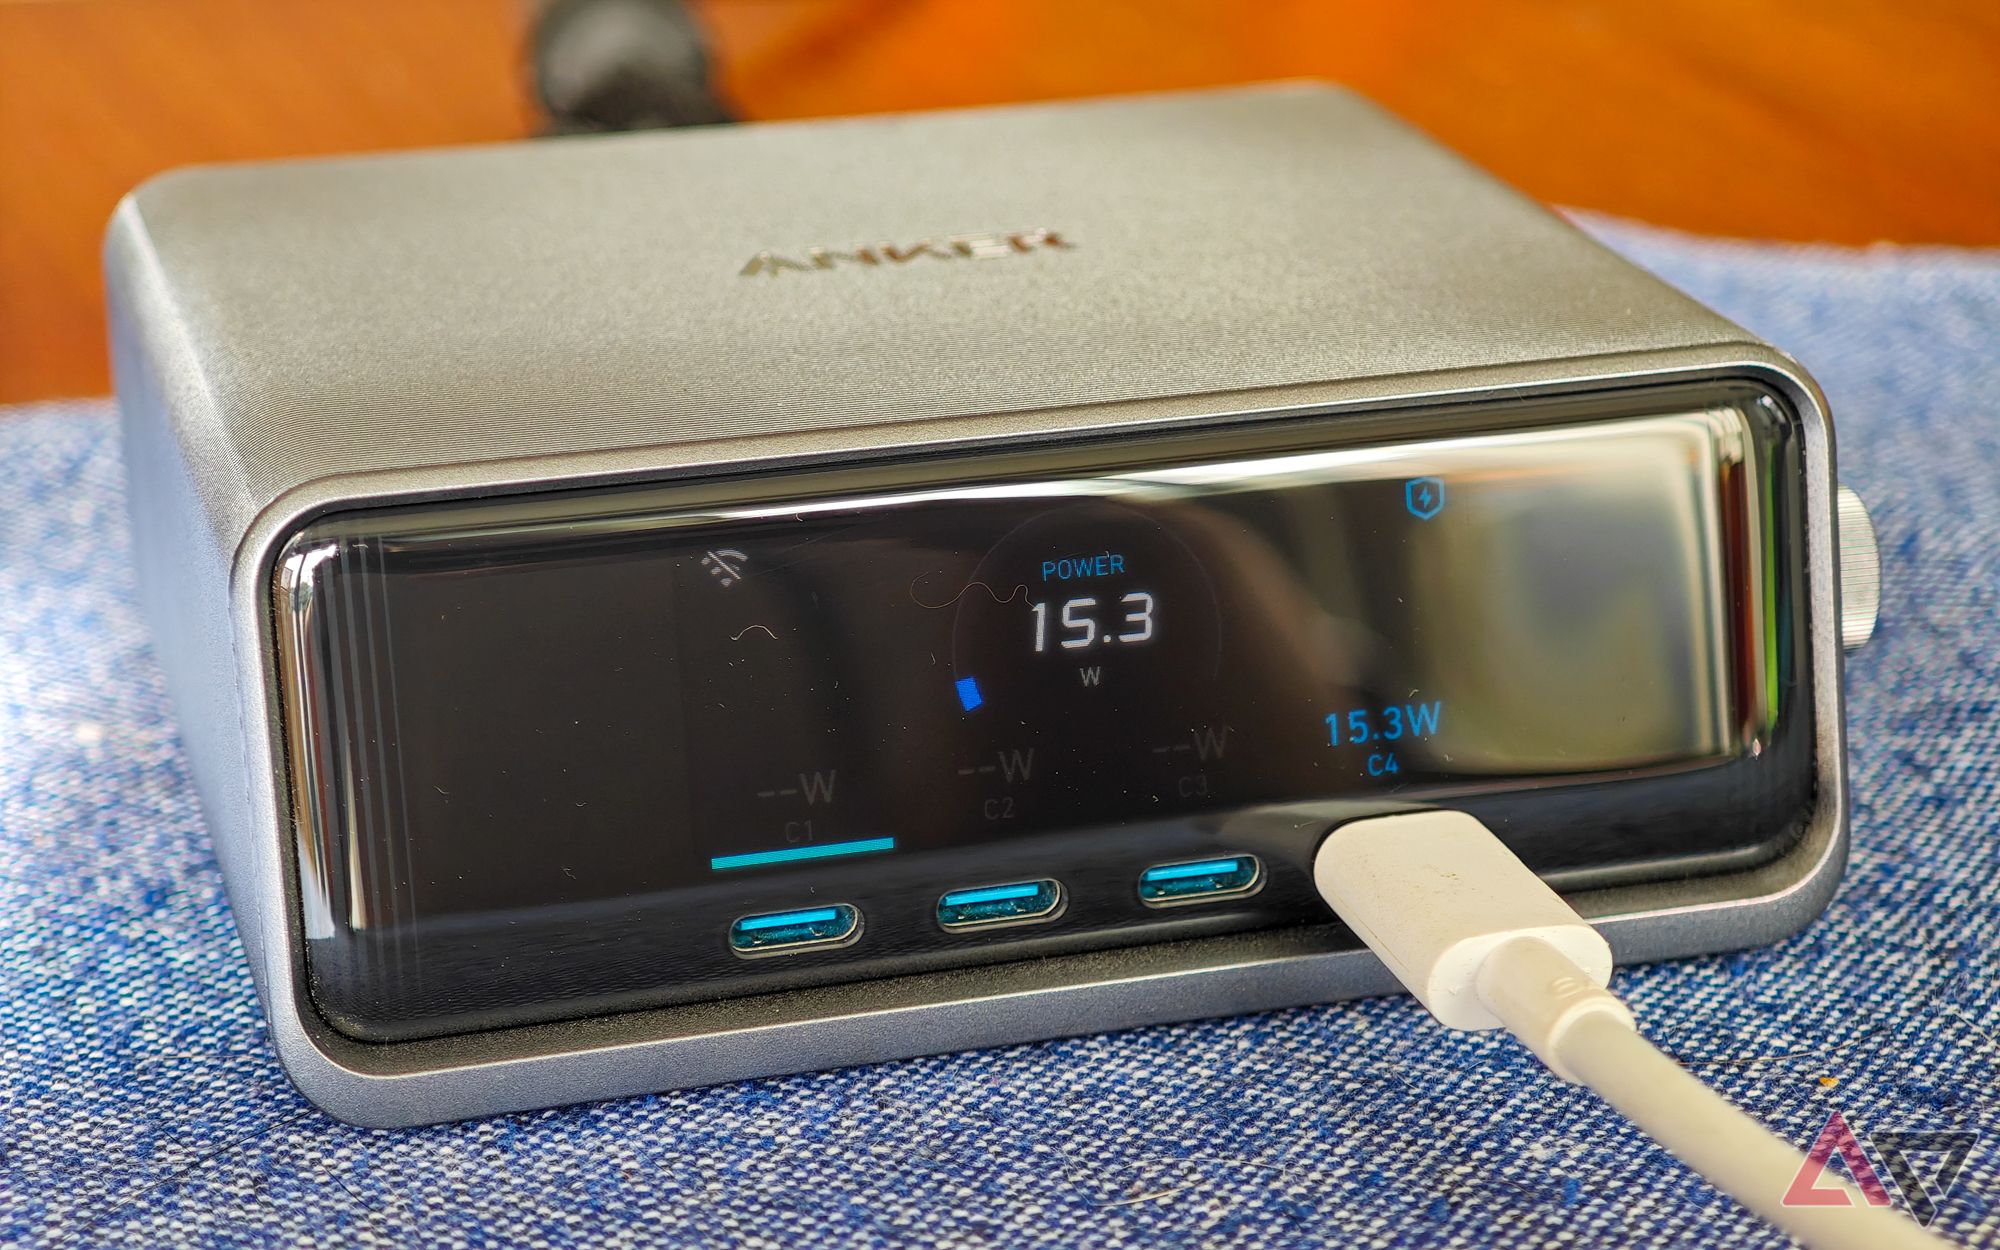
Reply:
x=793, y=854
x=1174, y=872
x=992, y=894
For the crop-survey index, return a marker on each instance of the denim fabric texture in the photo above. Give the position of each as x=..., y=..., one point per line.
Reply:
x=141, y=1106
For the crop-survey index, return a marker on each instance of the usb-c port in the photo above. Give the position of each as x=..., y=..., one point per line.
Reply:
x=787, y=932
x=1200, y=881
x=988, y=906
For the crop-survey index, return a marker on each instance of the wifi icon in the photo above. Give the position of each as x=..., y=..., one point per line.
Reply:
x=725, y=564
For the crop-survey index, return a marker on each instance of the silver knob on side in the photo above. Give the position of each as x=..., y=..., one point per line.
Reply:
x=1860, y=570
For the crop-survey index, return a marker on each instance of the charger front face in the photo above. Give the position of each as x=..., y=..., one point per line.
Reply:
x=611, y=666
x=567, y=754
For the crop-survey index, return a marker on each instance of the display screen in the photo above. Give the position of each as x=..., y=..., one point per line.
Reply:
x=561, y=751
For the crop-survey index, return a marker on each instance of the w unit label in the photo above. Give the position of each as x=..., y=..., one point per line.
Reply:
x=1017, y=764
x=1204, y=742
x=814, y=787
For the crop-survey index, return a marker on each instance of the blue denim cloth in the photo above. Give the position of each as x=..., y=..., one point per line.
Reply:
x=141, y=1106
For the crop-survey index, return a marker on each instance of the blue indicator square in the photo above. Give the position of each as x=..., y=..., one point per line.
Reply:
x=968, y=693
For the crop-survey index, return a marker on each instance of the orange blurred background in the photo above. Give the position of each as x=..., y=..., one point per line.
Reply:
x=1837, y=122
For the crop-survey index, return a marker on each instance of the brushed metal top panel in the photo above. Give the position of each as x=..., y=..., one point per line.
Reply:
x=331, y=316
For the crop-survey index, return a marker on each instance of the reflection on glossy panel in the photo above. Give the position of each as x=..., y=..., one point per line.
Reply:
x=550, y=750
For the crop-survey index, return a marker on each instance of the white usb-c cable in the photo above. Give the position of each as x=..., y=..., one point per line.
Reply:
x=1484, y=943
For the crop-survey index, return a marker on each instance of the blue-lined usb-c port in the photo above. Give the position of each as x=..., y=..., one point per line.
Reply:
x=989, y=905
x=784, y=932
x=1200, y=881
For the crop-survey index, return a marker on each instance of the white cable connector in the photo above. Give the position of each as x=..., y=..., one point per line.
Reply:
x=1485, y=943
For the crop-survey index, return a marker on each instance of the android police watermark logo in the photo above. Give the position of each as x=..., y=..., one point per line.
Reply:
x=953, y=247
x=1923, y=1189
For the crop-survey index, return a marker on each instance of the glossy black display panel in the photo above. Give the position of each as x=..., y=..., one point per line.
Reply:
x=566, y=754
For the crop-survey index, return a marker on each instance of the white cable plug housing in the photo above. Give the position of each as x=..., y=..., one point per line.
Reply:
x=1435, y=894
x=1485, y=943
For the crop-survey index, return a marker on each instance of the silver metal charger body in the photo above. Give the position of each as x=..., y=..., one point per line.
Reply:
x=305, y=339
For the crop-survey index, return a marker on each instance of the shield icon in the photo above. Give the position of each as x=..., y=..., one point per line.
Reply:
x=1424, y=496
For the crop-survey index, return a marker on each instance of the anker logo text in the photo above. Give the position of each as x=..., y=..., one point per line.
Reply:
x=953, y=247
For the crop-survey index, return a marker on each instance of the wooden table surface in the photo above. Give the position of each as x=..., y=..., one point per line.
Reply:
x=1838, y=122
